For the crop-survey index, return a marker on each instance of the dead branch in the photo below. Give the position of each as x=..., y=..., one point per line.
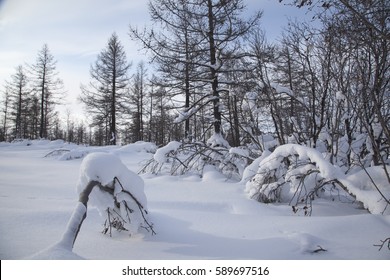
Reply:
x=57, y=152
x=383, y=243
x=320, y=249
x=142, y=209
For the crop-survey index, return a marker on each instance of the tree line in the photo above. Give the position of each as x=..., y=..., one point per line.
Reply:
x=214, y=78
x=29, y=99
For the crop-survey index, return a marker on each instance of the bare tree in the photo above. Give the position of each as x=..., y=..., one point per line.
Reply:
x=5, y=111
x=174, y=49
x=203, y=35
x=109, y=83
x=47, y=86
x=19, y=95
x=136, y=103
x=370, y=14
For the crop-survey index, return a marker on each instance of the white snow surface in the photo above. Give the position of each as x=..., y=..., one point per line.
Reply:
x=194, y=218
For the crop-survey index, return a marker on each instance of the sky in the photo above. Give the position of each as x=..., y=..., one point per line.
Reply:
x=77, y=30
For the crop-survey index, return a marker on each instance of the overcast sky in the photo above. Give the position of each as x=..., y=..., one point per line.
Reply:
x=77, y=30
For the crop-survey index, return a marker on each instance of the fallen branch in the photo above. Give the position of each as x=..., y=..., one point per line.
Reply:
x=57, y=152
x=387, y=240
x=320, y=249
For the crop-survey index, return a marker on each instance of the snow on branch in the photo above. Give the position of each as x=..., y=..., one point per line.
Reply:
x=188, y=112
x=119, y=193
x=179, y=158
x=297, y=175
x=107, y=184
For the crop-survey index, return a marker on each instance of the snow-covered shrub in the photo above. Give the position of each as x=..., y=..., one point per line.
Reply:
x=371, y=187
x=297, y=174
x=74, y=154
x=139, y=146
x=217, y=140
x=178, y=158
x=117, y=193
x=294, y=174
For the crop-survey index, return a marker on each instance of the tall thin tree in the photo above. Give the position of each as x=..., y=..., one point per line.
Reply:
x=19, y=97
x=47, y=86
x=105, y=92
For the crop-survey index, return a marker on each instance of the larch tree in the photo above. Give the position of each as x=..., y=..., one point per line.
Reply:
x=47, y=86
x=5, y=110
x=200, y=38
x=224, y=31
x=137, y=102
x=173, y=49
x=19, y=98
x=105, y=92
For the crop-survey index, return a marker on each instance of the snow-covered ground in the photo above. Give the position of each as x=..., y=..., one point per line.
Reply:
x=194, y=218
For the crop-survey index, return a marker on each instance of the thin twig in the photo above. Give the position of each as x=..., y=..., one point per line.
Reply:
x=383, y=243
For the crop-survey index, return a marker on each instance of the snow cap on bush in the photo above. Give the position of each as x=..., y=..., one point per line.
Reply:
x=104, y=167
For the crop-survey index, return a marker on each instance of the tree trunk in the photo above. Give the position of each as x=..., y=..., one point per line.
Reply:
x=78, y=217
x=213, y=71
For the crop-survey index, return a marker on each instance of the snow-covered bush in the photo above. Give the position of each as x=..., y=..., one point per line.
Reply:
x=117, y=192
x=178, y=158
x=291, y=174
x=296, y=175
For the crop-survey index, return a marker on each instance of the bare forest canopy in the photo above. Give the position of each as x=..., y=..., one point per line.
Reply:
x=213, y=75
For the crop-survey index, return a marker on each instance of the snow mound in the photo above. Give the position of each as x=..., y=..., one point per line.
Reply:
x=368, y=186
x=139, y=146
x=308, y=243
x=74, y=154
x=56, y=252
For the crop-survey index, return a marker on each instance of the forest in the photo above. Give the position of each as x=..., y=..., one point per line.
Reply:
x=215, y=91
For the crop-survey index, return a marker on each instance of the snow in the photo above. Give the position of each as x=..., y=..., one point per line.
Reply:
x=217, y=140
x=365, y=190
x=123, y=188
x=285, y=188
x=207, y=217
x=161, y=154
x=185, y=114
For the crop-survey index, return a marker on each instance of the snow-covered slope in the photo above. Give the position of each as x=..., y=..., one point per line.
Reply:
x=194, y=218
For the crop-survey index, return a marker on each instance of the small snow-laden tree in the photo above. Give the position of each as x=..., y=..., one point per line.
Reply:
x=297, y=175
x=117, y=193
x=292, y=174
x=178, y=158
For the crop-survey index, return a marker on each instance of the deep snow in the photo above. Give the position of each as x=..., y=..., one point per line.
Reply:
x=195, y=218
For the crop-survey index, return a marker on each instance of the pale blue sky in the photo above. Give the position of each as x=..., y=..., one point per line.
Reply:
x=77, y=30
